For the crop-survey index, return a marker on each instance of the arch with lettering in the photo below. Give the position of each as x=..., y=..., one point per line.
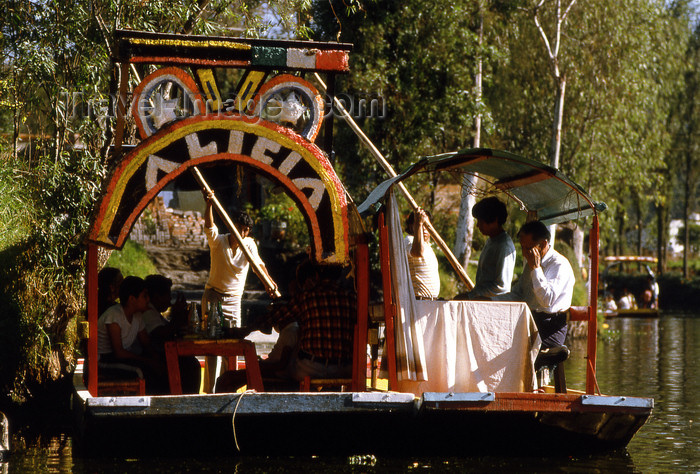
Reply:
x=275, y=152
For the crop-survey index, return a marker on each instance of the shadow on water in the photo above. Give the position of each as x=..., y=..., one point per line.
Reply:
x=636, y=357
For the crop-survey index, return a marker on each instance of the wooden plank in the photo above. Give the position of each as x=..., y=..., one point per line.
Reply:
x=215, y=405
x=139, y=401
x=91, y=297
x=579, y=313
x=592, y=343
x=195, y=50
x=532, y=402
x=389, y=308
x=359, y=379
x=383, y=398
x=224, y=404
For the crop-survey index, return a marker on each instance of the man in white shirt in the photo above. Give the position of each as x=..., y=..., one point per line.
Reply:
x=546, y=284
x=229, y=266
x=422, y=262
x=494, y=273
x=227, y=276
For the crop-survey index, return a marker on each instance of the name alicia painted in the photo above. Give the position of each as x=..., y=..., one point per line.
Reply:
x=276, y=152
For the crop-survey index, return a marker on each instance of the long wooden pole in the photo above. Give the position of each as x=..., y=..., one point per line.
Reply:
x=269, y=285
x=458, y=268
x=593, y=237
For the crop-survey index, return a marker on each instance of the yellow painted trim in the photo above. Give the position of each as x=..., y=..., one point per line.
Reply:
x=174, y=42
x=254, y=78
x=135, y=163
x=206, y=77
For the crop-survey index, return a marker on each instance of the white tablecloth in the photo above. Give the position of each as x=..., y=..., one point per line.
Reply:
x=475, y=346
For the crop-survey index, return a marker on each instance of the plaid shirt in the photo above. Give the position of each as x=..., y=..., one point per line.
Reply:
x=326, y=315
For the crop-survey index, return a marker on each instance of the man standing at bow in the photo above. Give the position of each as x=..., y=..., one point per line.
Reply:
x=227, y=276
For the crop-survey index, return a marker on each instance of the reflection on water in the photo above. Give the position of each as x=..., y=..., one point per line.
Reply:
x=637, y=357
x=653, y=358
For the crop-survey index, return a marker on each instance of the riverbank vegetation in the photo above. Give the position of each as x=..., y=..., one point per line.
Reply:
x=614, y=106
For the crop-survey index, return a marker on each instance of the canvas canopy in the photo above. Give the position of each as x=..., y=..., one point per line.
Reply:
x=540, y=189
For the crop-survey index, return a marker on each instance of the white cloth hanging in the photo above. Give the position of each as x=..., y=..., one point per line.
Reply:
x=410, y=353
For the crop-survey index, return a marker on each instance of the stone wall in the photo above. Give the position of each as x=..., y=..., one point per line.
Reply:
x=169, y=227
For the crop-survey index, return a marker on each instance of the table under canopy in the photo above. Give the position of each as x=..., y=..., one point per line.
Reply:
x=473, y=346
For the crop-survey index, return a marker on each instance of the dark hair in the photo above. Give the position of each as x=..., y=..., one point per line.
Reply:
x=537, y=230
x=305, y=270
x=105, y=279
x=411, y=219
x=242, y=219
x=490, y=209
x=131, y=286
x=329, y=272
x=158, y=285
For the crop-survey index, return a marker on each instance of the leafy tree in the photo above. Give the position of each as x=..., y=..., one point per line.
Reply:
x=688, y=163
x=50, y=50
x=421, y=58
x=618, y=87
x=489, y=19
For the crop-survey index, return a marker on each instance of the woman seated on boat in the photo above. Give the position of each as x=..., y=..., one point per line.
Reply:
x=627, y=300
x=610, y=305
x=122, y=339
x=109, y=279
x=160, y=329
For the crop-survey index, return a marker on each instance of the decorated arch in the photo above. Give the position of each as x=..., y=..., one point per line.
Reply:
x=276, y=152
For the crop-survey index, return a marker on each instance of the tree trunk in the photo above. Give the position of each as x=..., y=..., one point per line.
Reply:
x=686, y=228
x=465, y=222
x=688, y=197
x=621, y=245
x=660, y=239
x=556, y=136
x=638, y=206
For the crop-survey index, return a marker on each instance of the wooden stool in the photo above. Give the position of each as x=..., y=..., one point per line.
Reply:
x=553, y=359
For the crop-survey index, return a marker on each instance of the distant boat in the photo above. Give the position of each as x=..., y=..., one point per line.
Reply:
x=641, y=299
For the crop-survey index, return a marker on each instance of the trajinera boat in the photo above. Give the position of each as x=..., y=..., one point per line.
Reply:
x=455, y=385
x=632, y=293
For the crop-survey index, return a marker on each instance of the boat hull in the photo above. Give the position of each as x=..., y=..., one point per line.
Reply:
x=355, y=423
x=634, y=313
